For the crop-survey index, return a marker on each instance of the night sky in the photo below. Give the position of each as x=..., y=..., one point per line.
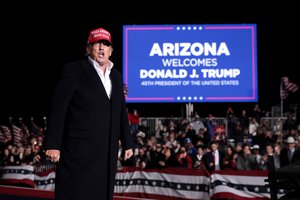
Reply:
x=36, y=46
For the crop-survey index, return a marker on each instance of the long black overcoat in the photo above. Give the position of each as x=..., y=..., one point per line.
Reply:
x=86, y=126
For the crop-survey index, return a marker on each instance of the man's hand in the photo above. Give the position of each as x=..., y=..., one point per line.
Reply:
x=53, y=154
x=128, y=154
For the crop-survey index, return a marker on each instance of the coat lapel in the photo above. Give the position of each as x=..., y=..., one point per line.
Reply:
x=92, y=75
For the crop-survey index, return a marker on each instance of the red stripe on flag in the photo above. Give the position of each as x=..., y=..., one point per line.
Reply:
x=26, y=192
x=140, y=195
x=229, y=195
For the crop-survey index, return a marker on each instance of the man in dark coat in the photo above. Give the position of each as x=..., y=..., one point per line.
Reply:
x=214, y=158
x=88, y=117
x=290, y=153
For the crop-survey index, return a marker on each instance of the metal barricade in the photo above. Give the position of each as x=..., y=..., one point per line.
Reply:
x=154, y=123
x=274, y=123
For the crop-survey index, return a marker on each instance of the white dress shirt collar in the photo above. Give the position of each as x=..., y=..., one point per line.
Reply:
x=105, y=78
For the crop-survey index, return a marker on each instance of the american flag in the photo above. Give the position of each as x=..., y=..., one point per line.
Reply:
x=240, y=185
x=287, y=87
x=18, y=134
x=167, y=184
x=35, y=129
x=26, y=133
x=7, y=132
x=45, y=180
x=18, y=175
x=2, y=137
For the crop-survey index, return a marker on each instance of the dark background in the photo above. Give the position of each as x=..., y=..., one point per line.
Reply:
x=35, y=45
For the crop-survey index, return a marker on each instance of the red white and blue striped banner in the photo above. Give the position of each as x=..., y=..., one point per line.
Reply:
x=45, y=180
x=17, y=175
x=240, y=185
x=167, y=184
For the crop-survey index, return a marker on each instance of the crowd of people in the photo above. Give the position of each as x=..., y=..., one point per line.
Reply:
x=20, y=145
x=249, y=144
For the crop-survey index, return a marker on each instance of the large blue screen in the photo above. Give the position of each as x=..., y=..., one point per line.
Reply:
x=190, y=63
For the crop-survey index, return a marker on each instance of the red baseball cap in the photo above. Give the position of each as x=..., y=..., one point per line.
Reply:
x=99, y=34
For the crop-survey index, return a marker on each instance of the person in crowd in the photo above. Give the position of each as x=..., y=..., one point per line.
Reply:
x=221, y=140
x=244, y=119
x=141, y=160
x=202, y=136
x=238, y=148
x=214, y=158
x=200, y=158
x=144, y=128
x=190, y=148
x=164, y=133
x=237, y=132
x=197, y=124
x=87, y=119
x=29, y=155
x=229, y=160
x=253, y=126
x=182, y=135
x=277, y=149
x=269, y=138
x=270, y=161
x=165, y=159
x=171, y=142
x=256, y=152
x=19, y=158
x=13, y=155
x=246, y=160
x=230, y=116
x=257, y=113
x=190, y=131
x=183, y=159
x=154, y=152
x=290, y=123
x=134, y=120
x=290, y=153
x=5, y=157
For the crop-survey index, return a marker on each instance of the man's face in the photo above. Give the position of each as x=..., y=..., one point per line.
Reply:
x=291, y=145
x=100, y=51
x=247, y=150
x=269, y=150
x=214, y=147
